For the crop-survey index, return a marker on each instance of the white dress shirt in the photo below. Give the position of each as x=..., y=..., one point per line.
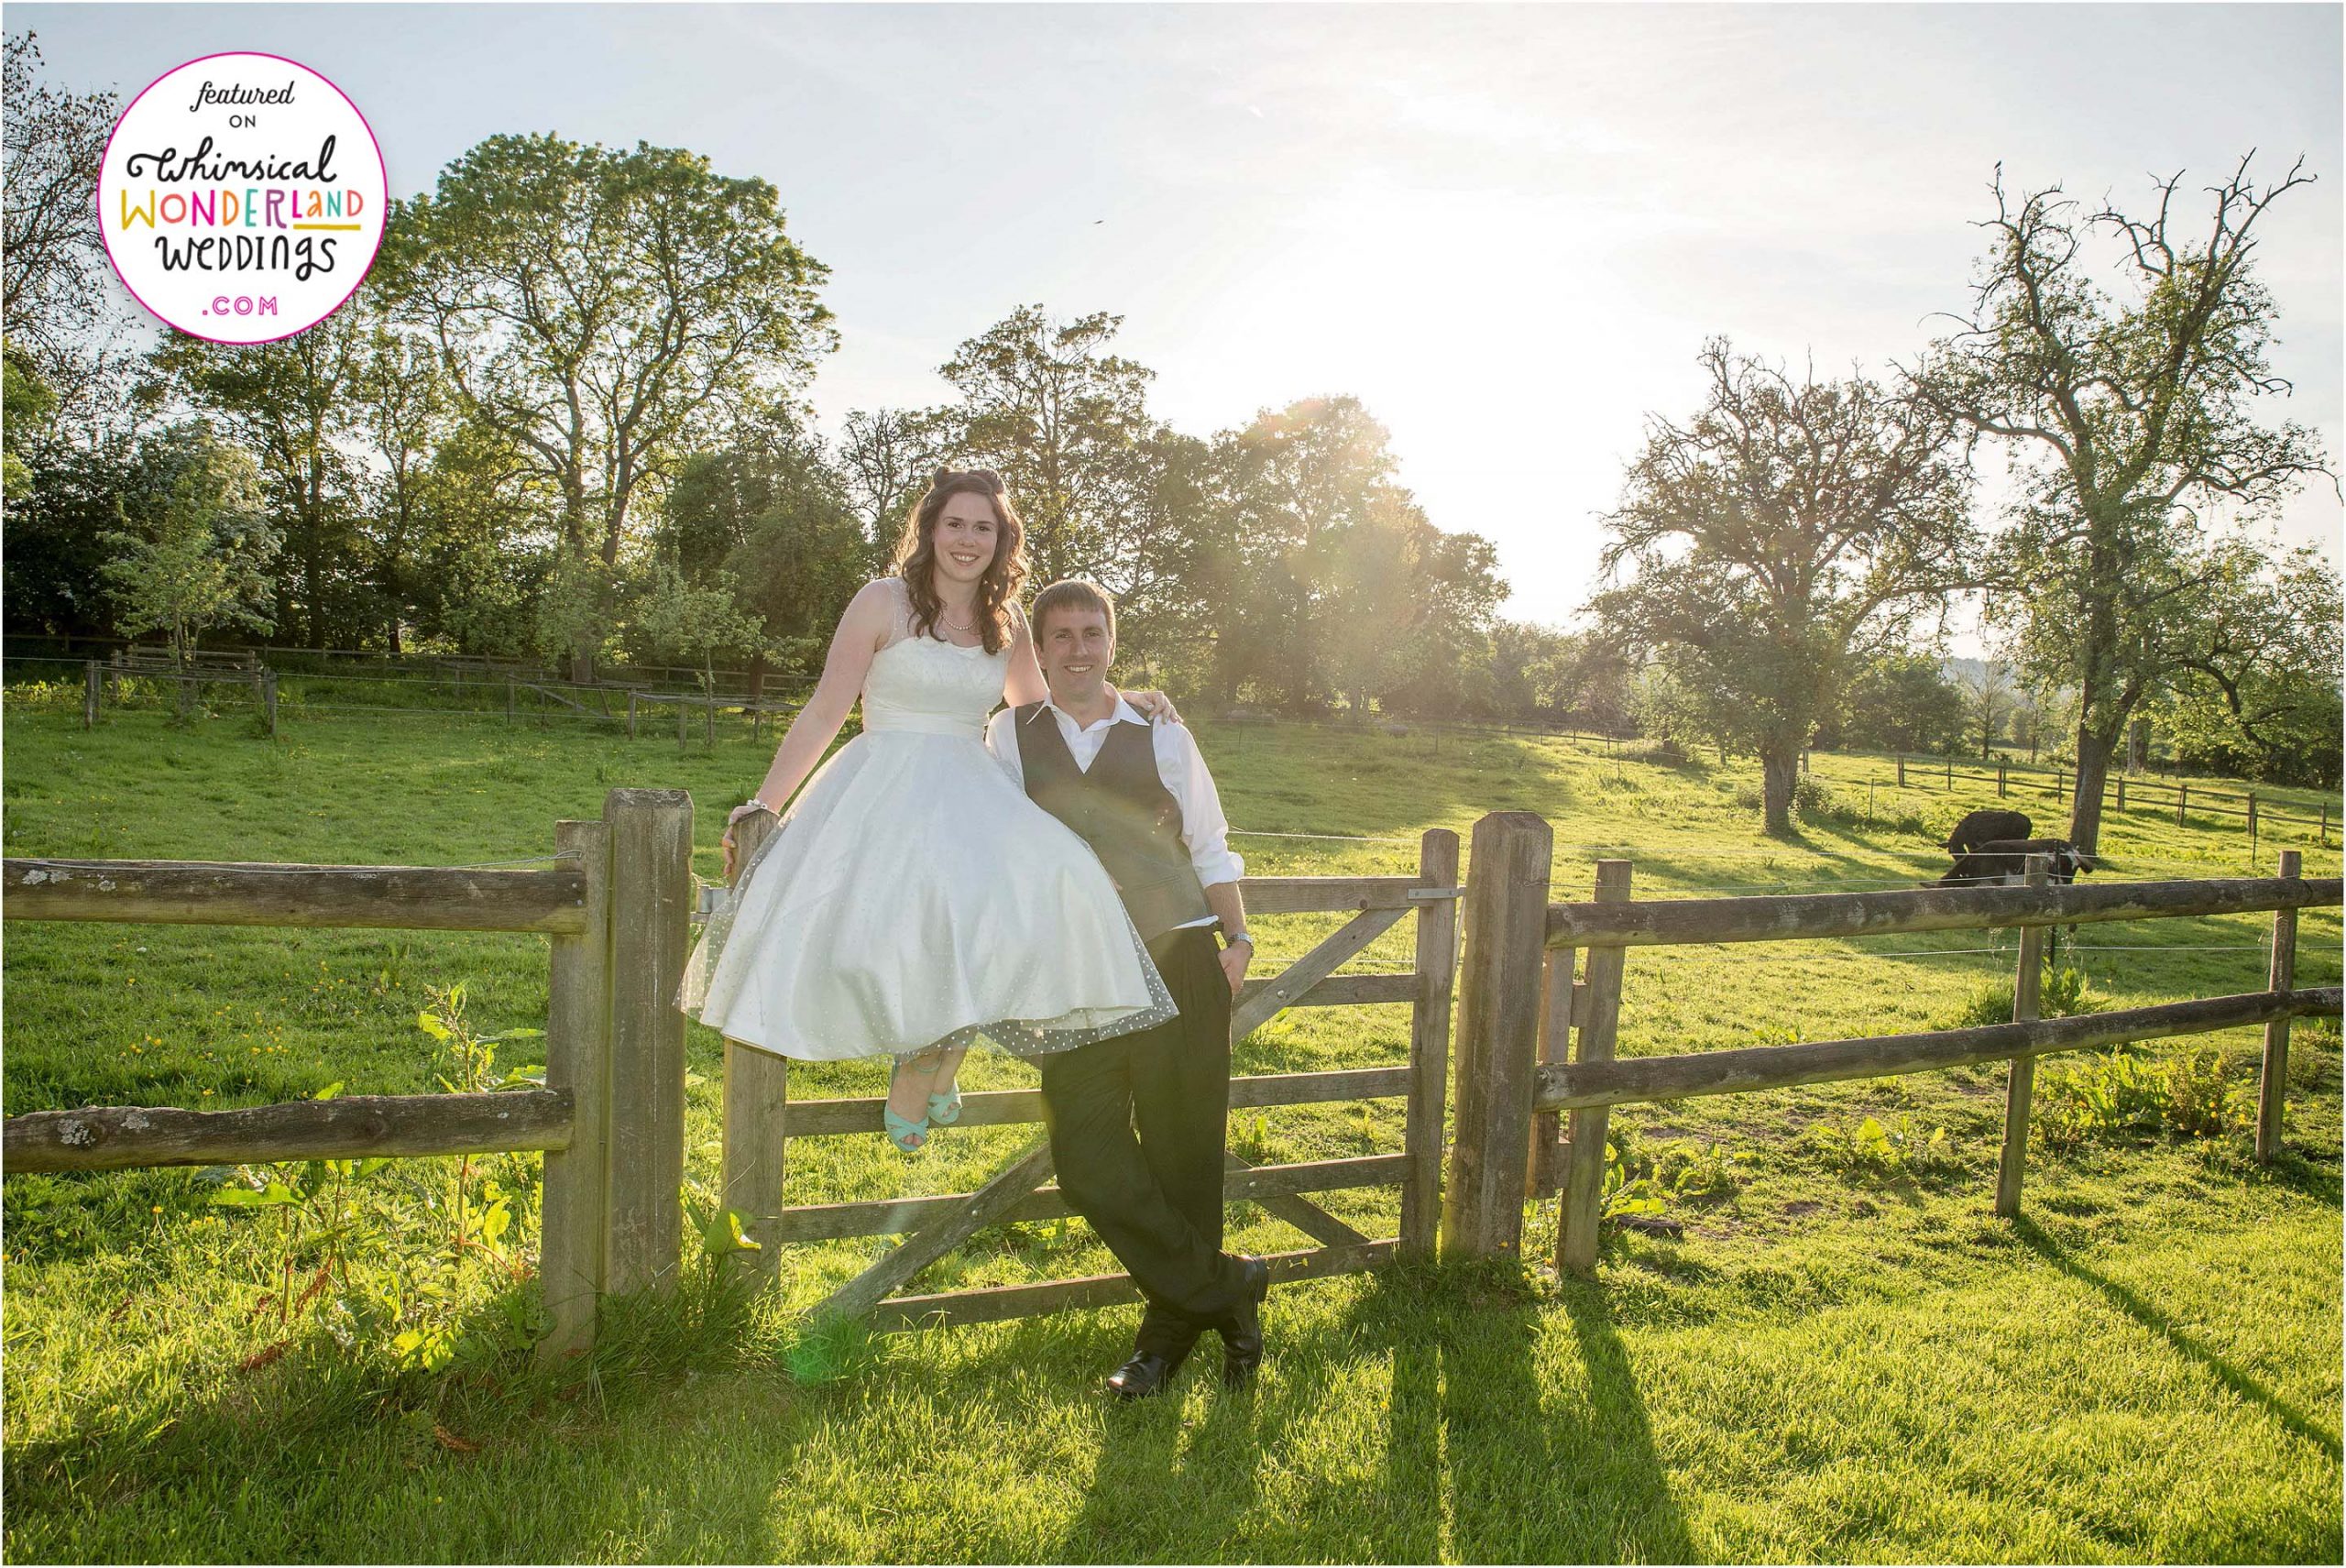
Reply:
x=1205, y=832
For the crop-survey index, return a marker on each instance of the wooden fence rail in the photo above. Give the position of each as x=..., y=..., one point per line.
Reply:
x=610, y=1117
x=1535, y=1074
x=1519, y=999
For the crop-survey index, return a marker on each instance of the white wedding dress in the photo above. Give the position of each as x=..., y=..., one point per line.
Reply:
x=913, y=895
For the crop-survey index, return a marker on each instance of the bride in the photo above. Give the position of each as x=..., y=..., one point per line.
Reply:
x=912, y=898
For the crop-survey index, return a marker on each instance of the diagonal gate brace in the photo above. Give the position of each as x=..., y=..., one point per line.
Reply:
x=948, y=1229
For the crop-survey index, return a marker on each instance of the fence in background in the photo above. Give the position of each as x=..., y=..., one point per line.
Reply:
x=1519, y=1001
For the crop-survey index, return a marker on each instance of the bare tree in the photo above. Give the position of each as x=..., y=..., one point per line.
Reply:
x=2141, y=413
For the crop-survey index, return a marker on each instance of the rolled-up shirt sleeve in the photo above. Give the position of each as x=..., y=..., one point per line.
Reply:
x=1001, y=740
x=1204, y=830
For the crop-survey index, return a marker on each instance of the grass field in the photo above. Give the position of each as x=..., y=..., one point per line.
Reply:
x=1847, y=1356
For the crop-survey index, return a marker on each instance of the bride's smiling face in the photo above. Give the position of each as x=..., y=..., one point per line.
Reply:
x=968, y=531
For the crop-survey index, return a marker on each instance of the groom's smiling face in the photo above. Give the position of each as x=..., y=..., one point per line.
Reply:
x=1075, y=652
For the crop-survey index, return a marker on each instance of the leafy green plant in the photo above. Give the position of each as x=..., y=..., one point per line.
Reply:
x=2118, y=1095
x=323, y=1225
x=2066, y=992
x=472, y=1057
x=1899, y=1146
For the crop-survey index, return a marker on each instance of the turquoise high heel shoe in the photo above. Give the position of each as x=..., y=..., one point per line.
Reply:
x=907, y=1135
x=946, y=1108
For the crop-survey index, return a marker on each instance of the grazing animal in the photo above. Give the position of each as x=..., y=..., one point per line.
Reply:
x=2006, y=860
x=1986, y=827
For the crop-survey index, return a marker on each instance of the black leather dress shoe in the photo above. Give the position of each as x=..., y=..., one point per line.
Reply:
x=1147, y=1373
x=1242, y=1337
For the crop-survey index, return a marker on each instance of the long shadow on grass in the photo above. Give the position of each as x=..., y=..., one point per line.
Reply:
x=1541, y=1451
x=2158, y=1322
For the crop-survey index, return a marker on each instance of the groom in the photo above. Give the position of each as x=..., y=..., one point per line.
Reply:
x=1137, y=1121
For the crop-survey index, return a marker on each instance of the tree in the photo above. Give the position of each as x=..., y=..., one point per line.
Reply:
x=886, y=458
x=290, y=403
x=1046, y=405
x=2141, y=413
x=769, y=514
x=197, y=555
x=403, y=411
x=1299, y=483
x=690, y=622
x=63, y=318
x=606, y=313
x=1784, y=537
x=2260, y=693
x=1903, y=702
x=1989, y=699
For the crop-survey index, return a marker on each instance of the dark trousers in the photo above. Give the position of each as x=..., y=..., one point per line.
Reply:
x=1137, y=1124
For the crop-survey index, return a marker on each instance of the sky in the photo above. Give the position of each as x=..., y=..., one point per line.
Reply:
x=1507, y=229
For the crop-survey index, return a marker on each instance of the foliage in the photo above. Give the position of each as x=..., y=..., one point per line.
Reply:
x=536, y=264
x=2140, y=416
x=2066, y=992
x=1901, y=702
x=2121, y=1096
x=1872, y=1146
x=1784, y=536
x=197, y=553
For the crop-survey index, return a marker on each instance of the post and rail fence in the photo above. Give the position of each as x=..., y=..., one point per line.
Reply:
x=1532, y=1077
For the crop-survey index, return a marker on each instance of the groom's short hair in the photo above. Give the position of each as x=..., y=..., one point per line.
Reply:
x=1074, y=593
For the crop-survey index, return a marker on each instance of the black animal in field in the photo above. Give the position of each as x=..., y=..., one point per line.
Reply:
x=2000, y=860
x=1985, y=828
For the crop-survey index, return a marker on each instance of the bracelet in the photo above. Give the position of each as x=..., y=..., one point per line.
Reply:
x=1233, y=941
x=761, y=805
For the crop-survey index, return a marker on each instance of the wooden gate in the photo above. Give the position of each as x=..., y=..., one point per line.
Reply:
x=760, y=1121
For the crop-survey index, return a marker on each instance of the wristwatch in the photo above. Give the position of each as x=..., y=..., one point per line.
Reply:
x=1231, y=941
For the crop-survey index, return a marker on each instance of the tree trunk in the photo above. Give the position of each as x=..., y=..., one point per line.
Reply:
x=1779, y=766
x=2094, y=752
x=2138, y=745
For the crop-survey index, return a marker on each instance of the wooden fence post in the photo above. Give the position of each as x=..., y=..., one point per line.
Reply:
x=631, y=715
x=1950, y=774
x=1499, y=1031
x=708, y=721
x=269, y=699
x=1902, y=773
x=1543, y=1174
x=2060, y=781
x=2273, y=1087
x=92, y=681
x=652, y=900
x=1581, y=1210
x=2182, y=794
x=1437, y=968
x=2000, y=791
x=2252, y=829
x=756, y=1101
x=2121, y=792
x=573, y=1215
x=2028, y=992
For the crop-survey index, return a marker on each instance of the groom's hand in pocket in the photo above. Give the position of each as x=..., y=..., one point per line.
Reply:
x=1234, y=959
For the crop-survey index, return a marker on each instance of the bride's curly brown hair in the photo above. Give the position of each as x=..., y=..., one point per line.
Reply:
x=916, y=556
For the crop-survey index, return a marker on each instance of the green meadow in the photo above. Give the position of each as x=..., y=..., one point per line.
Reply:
x=1843, y=1356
